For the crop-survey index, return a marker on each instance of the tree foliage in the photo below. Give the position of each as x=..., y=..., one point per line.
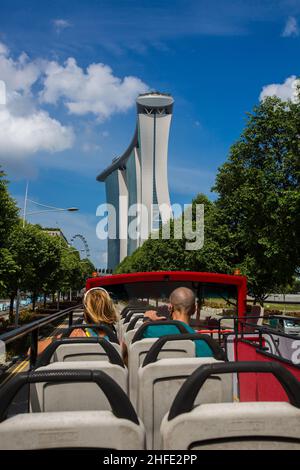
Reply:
x=33, y=261
x=8, y=219
x=8, y=211
x=259, y=196
x=171, y=254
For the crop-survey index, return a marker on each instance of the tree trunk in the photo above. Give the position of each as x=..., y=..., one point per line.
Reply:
x=45, y=300
x=33, y=300
x=11, y=308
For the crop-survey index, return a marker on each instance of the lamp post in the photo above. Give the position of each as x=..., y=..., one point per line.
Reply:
x=25, y=214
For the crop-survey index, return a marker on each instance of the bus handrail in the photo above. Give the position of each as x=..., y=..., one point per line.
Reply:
x=33, y=327
x=20, y=331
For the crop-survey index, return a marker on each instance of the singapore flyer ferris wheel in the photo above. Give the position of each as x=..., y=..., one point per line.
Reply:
x=80, y=240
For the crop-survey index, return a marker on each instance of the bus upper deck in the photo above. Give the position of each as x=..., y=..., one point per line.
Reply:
x=83, y=392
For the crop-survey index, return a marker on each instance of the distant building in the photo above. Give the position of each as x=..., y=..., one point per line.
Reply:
x=140, y=175
x=56, y=232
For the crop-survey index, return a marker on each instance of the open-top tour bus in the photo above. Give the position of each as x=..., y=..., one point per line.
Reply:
x=124, y=390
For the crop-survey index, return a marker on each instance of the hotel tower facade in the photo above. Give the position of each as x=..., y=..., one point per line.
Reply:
x=140, y=177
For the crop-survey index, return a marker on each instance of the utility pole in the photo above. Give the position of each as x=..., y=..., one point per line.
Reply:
x=18, y=290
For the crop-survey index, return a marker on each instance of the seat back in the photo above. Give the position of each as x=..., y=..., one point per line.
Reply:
x=63, y=396
x=235, y=425
x=76, y=430
x=80, y=349
x=81, y=352
x=139, y=347
x=128, y=323
x=133, y=308
x=132, y=328
x=108, y=330
x=137, y=352
x=119, y=428
x=129, y=336
x=158, y=384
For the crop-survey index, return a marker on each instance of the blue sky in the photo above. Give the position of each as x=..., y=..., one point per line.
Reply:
x=71, y=109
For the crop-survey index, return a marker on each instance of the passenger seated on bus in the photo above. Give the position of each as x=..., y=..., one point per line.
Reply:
x=98, y=308
x=182, y=306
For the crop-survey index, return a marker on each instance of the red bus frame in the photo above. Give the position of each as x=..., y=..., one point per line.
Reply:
x=239, y=281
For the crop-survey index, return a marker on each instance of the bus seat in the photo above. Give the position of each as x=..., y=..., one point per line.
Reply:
x=129, y=335
x=235, y=426
x=137, y=353
x=118, y=428
x=124, y=324
x=160, y=379
x=74, y=430
x=80, y=349
x=253, y=426
x=168, y=346
x=132, y=329
x=158, y=384
x=85, y=396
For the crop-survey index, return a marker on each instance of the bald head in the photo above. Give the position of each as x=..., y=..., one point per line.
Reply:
x=183, y=300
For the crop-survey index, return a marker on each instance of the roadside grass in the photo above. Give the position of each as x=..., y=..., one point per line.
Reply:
x=283, y=307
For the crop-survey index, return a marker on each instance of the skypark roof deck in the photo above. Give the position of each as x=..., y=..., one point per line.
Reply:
x=147, y=103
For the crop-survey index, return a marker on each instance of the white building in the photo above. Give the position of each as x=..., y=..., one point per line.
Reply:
x=56, y=232
x=140, y=176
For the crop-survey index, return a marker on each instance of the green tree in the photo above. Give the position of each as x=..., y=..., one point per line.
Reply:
x=71, y=273
x=171, y=254
x=259, y=196
x=87, y=269
x=36, y=256
x=8, y=211
x=8, y=219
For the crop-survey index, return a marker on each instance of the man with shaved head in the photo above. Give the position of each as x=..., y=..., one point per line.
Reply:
x=182, y=305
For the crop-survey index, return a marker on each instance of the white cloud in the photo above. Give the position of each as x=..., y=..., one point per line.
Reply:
x=3, y=49
x=61, y=24
x=25, y=135
x=27, y=128
x=88, y=147
x=284, y=91
x=96, y=90
x=291, y=28
x=19, y=74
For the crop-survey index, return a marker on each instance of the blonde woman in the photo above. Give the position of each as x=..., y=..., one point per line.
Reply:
x=98, y=308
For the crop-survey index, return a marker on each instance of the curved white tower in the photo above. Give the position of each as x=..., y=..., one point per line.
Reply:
x=141, y=176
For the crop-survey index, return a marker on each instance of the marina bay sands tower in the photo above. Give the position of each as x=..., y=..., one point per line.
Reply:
x=139, y=177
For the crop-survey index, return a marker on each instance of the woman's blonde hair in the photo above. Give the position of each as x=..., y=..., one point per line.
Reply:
x=99, y=307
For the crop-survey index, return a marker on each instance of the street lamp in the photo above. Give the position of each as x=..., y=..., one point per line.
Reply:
x=25, y=214
x=48, y=208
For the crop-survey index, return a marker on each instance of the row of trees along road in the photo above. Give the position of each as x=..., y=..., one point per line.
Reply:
x=254, y=224
x=33, y=261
